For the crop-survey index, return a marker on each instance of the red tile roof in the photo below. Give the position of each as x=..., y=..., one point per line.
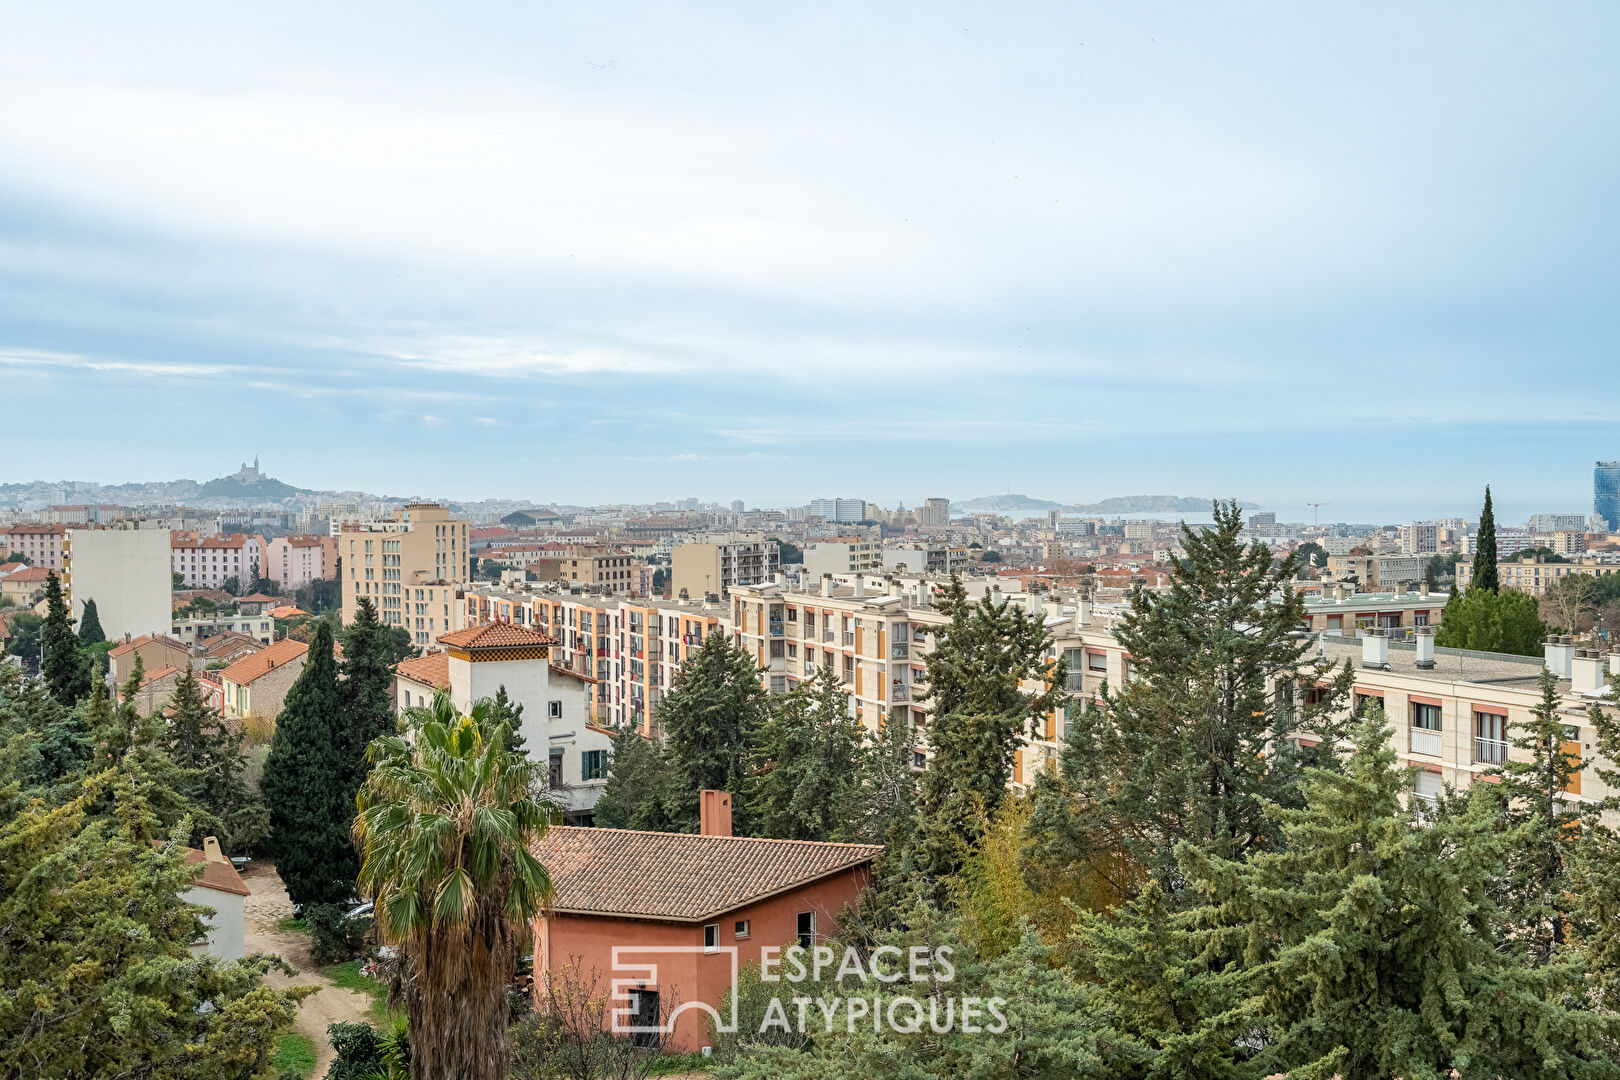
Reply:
x=431, y=669
x=570, y=672
x=230, y=643
x=280, y=654
x=146, y=639
x=495, y=635
x=256, y=598
x=216, y=875
x=681, y=877
x=30, y=573
x=289, y=611
x=10, y=568
x=160, y=673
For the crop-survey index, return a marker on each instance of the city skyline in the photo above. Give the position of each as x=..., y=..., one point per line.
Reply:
x=617, y=259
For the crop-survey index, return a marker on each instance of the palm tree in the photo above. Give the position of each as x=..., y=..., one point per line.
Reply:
x=447, y=822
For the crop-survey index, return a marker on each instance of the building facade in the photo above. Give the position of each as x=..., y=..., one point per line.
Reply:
x=409, y=566
x=209, y=562
x=126, y=572
x=717, y=564
x=1534, y=575
x=294, y=562
x=41, y=543
x=1606, y=493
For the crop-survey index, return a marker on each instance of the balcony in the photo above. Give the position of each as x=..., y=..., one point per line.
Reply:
x=776, y=628
x=1490, y=751
x=899, y=693
x=1425, y=741
x=899, y=651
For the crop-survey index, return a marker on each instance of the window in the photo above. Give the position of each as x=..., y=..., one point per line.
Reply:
x=1425, y=732
x=593, y=765
x=554, y=777
x=1490, y=738
x=1096, y=661
x=1427, y=786
x=554, y=709
x=740, y=930
x=711, y=937
x=1426, y=716
x=807, y=929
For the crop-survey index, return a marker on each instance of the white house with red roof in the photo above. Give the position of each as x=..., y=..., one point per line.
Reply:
x=475, y=663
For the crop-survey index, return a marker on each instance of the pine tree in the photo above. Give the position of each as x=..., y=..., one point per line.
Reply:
x=980, y=716
x=90, y=624
x=66, y=668
x=305, y=784
x=1202, y=735
x=886, y=798
x=368, y=690
x=1534, y=795
x=197, y=739
x=1380, y=943
x=504, y=711
x=1595, y=871
x=1485, y=553
x=805, y=764
x=709, y=718
x=641, y=788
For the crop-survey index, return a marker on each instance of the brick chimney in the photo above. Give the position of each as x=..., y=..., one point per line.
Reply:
x=714, y=812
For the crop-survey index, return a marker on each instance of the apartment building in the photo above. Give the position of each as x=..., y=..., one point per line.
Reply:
x=719, y=563
x=1546, y=523
x=604, y=568
x=845, y=555
x=294, y=562
x=934, y=511
x=1379, y=573
x=208, y=562
x=409, y=566
x=1340, y=611
x=1534, y=575
x=41, y=543
x=934, y=560
x=629, y=649
x=838, y=511
x=125, y=571
x=1420, y=538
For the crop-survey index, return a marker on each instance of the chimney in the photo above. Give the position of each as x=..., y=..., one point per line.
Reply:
x=1560, y=656
x=1375, y=649
x=1424, y=636
x=1586, y=673
x=714, y=812
x=860, y=584
x=826, y=584
x=780, y=578
x=211, y=849
x=1082, y=611
x=1423, y=589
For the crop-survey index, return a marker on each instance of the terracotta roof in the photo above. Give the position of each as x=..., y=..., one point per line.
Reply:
x=495, y=635
x=29, y=573
x=10, y=568
x=211, y=543
x=230, y=643
x=288, y=611
x=681, y=877
x=280, y=654
x=301, y=541
x=256, y=598
x=432, y=669
x=146, y=639
x=35, y=530
x=215, y=875
x=160, y=673
x=571, y=673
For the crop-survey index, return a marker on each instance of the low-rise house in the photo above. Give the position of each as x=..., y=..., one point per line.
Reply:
x=667, y=920
x=226, y=648
x=217, y=886
x=155, y=652
x=195, y=631
x=255, y=686
x=25, y=585
x=157, y=687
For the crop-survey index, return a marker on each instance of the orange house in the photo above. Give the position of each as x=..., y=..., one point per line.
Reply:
x=670, y=917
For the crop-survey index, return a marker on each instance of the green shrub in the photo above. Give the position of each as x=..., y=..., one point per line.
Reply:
x=334, y=937
x=359, y=1055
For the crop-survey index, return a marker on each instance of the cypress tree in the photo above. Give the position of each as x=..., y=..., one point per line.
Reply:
x=805, y=764
x=305, y=784
x=90, y=624
x=709, y=718
x=66, y=668
x=368, y=690
x=1485, y=552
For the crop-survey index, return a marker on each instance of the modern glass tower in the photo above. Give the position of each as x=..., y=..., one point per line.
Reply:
x=1606, y=493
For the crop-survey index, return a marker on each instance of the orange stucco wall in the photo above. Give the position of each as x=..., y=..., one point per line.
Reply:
x=588, y=942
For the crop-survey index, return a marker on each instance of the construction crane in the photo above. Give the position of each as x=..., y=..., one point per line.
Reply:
x=1316, y=512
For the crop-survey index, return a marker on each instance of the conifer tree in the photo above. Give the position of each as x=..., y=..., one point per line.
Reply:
x=305, y=784
x=886, y=798
x=805, y=764
x=504, y=711
x=981, y=713
x=1202, y=735
x=66, y=668
x=90, y=631
x=197, y=739
x=1534, y=791
x=1595, y=871
x=1485, y=577
x=640, y=788
x=1381, y=946
x=709, y=718
x=368, y=689
x=95, y=944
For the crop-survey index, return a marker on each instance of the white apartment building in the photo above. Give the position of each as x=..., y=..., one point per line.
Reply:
x=126, y=572
x=846, y=555
x=838, y=511
x=1420, y=538
x=934, y=560
x=208, y=562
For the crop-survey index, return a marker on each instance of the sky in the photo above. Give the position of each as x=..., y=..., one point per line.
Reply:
x=1359, y=253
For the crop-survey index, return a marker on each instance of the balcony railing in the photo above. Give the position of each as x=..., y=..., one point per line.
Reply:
x=1425, y=741
x=899, y=693
x=899, y=651
x=776, y=628
x=1490, y=751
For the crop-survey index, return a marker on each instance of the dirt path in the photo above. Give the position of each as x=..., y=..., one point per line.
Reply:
x=264, y=908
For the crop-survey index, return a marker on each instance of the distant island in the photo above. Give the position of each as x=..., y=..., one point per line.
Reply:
x=1123, y=504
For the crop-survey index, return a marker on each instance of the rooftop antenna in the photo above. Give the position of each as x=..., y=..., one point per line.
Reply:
x=1316, y=512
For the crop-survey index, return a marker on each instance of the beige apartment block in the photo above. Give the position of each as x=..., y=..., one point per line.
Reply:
x=719, y=563
x=1534, y=575
x=409, y=566
x=126, y=572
